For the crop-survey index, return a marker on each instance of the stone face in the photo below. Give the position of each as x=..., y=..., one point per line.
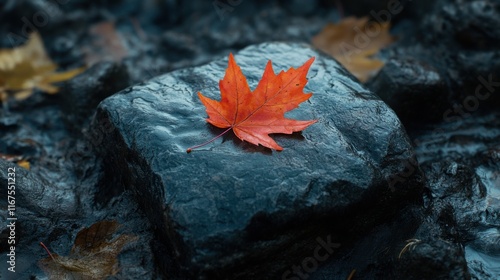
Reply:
x=462, y=201
x=230, y=201
x=81, y=95
x=415, y=90
x=49, y=211
x=465, y=38
x=448, y=68
x=471, y=24
x=436, y=259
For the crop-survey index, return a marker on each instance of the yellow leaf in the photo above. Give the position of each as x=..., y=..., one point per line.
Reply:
x=24, y=164
x=20, y=160
x=353, y=42
x=62, y=76
x=27, y=67
x=93, y=256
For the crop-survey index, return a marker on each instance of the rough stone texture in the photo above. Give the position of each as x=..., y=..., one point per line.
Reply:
x=54, y=212
x=465, y=36
x=81, y=95
x=56, y=198
x=455, y=49
x=232, y=202
x=457, y=39
x=462, y=200
x=373, y=253
x=415, y=90
x=471, y=24
x=436, y=259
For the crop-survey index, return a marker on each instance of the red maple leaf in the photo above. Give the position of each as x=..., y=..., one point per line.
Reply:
x=254, y=115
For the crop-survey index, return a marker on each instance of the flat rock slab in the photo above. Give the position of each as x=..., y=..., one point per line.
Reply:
x=230, y=201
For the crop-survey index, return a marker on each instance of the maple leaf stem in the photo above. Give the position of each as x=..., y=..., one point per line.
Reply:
x=209, y=141
x=47, y=249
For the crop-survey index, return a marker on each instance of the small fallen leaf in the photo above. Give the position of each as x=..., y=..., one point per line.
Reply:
x=93, y=256
x=19, y=160
x=353, y=42
x=106, y=45
x=254, y=115
x=24, y=164
x=27, y=67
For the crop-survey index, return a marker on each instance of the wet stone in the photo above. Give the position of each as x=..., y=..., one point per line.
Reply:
x=413, y=89
x=462, y=200
x=81, y=95
x=230, y=204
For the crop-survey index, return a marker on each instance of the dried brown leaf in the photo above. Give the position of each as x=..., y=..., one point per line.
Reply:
x=107, y=44
x=27, y=67
x=353, y=42
x=93, y=256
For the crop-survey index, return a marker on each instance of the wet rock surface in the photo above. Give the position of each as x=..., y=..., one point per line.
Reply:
x=441, y=79
x=82, y=94
x=222, y=204
x=455, y=55
x=463, y=199
x=53, y=212
x=408, y=84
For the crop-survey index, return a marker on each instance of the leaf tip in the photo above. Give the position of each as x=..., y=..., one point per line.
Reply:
x=231, y=58
x=309, y=62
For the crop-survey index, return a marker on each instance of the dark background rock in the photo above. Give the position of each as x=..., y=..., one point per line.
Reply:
x=53, y=213
x=457, y=40
x=436, y=259
x=374, y=253
x=462, y=201
x=406, y=84
x=82, y=94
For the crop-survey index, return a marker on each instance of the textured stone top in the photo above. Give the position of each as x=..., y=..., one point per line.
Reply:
x=216, y=199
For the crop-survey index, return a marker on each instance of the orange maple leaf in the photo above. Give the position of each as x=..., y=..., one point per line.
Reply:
x=254, y=115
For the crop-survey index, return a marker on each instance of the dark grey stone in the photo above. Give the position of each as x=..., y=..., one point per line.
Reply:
x=81, y=95
x=53, y=212
x=413, y=89
x=464, y=35
x=453, y=58
x=434, y=259
x=300, y=7
x=462, y=200
x=229, y=204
